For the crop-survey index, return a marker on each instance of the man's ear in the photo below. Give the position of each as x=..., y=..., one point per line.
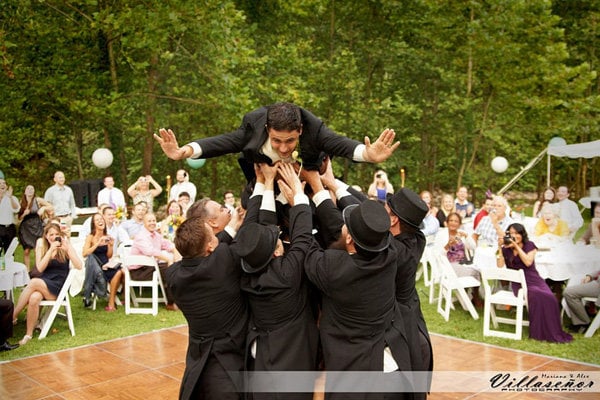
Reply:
x=210, y=247
x=393, y=219
x=300, y=130
x=211, y=222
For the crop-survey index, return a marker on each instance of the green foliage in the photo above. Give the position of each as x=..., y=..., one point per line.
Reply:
x=460, y=82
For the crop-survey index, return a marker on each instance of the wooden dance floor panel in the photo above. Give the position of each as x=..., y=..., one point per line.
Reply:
x=150, y=366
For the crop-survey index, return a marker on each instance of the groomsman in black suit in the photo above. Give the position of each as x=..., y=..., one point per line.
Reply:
x=206, y=287
x=361, y=328
x=283, y=334
x=272, y=133
x=406, y=211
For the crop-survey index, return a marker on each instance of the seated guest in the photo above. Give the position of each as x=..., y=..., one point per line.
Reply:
x=149, y=242
x=97, y=250
x=53, y=252
x=114, y=229
x=86, y=227
x=446, y=207
x=542, y=306
x=458, y=248
x=174, y=218
x=593, y=229
x=548, y=197
x=6, y=325
x=569, y=211
x=184, y=201
x=492, y=227
x=589, y=287
x=486, y=207
x=206, y=286
x=550, y=223
x=463, y=206
x=133, y=225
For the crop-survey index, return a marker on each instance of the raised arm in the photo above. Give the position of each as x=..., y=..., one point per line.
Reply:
x=382, y=148
x=169, y=146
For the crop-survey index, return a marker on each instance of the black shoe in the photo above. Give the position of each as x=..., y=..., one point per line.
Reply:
x=578, y=328
x=7, y=346
x=87, y=303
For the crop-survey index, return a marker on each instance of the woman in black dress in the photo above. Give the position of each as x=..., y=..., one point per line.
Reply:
x=53, y=254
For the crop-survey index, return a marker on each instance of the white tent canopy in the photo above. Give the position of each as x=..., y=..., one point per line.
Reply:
x=579, y=150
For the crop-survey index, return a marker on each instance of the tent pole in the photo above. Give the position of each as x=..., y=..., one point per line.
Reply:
x=548, y=173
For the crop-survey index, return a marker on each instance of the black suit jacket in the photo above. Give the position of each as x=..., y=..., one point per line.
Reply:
x=207, y=290
x=252, y=134
x=360, y=316
x=410, y=248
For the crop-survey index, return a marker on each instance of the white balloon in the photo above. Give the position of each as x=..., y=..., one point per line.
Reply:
x=499, y=164
x=102, y=158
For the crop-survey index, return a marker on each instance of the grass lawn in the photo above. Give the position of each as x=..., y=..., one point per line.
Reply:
x=462, y=325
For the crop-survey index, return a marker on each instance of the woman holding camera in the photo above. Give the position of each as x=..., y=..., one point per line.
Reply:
x=518, y=252
x=380, y=187
x=140, y=191
x=53, y=252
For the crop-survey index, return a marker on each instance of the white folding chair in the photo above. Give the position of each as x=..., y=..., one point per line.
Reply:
x=51, y=308
x=19, y=276
x=503, y=297
x=155, y=284
x=595, y=322
x=450, y=283
x=435, y=276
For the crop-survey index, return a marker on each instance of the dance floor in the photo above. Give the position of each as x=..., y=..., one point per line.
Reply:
x=150, y=366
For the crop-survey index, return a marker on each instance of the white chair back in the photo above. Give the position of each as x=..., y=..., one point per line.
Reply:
x=52, y=308
x=450, y=283
x=155, y=284
x=505, y=298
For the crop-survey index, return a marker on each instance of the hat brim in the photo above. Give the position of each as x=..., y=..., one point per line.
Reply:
x=420, y=226
x=249, y=269
x=587, y=201
x=384, y=244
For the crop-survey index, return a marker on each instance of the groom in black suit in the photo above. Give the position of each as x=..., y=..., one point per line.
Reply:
x=272, y=133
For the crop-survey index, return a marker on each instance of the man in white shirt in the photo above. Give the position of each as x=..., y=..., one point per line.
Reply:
x=111, y=195
x=183, y=185
x=9, y=206
x=569, y=212
x=62, y=198
x=113, y=229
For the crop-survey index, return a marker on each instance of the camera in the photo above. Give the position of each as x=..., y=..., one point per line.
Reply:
x=507, y=239
x=58, y=239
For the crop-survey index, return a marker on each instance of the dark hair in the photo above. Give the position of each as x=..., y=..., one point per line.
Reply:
x=184, y=194
x=191, y=238
x=284, y=117
x=93, y=224
x=454, y=214
x=593, y=205
x=520, y=229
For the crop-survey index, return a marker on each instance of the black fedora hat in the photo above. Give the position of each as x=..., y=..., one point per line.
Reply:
x=368, y=223
x=409, y=207
x=255, y=244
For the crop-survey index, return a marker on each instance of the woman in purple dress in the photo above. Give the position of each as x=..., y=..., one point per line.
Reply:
x=542, y=306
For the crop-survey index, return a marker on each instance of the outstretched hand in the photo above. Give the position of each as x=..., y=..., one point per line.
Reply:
x=382, y=148
x=168, y=144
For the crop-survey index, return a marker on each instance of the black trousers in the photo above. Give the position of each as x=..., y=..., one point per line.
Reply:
x=7, y=233
x=6, y=319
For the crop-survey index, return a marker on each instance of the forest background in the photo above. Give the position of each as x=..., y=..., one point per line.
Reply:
x=461, y=82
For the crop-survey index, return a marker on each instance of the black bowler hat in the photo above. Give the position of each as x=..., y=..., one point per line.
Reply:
x=255, y=244
x=369, y=224
x=409, y=207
